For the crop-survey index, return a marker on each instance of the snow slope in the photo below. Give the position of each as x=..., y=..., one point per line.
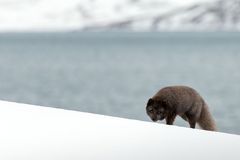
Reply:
x=32, y=132
x=57, y=15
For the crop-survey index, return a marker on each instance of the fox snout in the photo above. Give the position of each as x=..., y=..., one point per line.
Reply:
x=154, y=119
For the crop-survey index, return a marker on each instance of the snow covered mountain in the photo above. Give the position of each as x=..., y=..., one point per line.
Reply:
x=138, y=15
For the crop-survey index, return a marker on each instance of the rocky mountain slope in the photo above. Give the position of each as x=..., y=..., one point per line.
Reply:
x=137, y=15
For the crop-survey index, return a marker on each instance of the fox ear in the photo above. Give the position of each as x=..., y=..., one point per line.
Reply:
x=150, y=102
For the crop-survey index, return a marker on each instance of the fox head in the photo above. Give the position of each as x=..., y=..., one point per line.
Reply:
x=156, y=110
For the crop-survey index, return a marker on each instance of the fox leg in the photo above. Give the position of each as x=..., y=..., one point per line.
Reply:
x=170, y=119
x=191, y=120
x=192, y=124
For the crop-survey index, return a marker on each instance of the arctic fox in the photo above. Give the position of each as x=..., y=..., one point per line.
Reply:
x=183, y=101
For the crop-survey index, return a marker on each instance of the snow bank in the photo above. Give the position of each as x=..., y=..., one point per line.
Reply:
x=40, y=133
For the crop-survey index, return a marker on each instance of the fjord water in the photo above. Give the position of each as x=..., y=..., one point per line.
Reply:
x=114, y=73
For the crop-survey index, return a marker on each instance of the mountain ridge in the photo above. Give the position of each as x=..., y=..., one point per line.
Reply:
x=134, y=15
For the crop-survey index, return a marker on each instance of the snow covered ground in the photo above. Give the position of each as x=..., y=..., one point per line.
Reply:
x=32, y=132
x=143, y=15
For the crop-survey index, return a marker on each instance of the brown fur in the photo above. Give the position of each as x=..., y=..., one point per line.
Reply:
x=183, y=101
